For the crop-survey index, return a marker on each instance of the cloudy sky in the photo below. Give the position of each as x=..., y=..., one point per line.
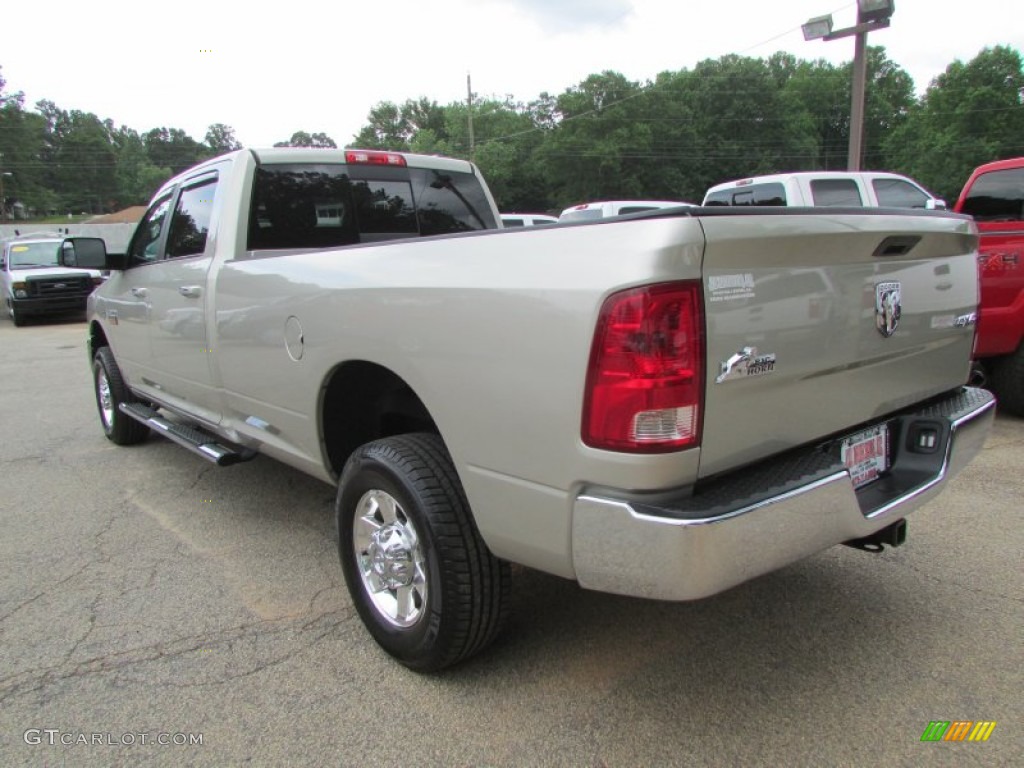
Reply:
x=319, y=66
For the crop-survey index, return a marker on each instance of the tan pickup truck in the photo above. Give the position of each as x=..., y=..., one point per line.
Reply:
x=663, y=405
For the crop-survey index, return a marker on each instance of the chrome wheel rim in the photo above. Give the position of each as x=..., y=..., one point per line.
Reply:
x=390, y=559
x=106, y=400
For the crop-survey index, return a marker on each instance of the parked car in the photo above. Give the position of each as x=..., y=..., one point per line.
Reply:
x=35, y=283
x=510, y=220
x=994, y=196
x=604, y=209
x=846, y=189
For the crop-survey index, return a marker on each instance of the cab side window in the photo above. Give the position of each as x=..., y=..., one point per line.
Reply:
x=836, y=192
x=145, y=245
x=896, y=193
x=190, y=223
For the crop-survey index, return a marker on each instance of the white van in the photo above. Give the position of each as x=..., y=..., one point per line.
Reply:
x=509, y=220
x=602, y=210
x=848, y=189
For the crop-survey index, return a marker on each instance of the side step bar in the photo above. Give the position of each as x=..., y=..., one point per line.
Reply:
x=194, y=439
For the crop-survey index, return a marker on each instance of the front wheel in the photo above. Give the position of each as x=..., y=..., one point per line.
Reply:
x=422, y=579
x=111, y=391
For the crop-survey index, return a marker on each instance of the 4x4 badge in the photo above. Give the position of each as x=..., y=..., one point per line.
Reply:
x=887, y=308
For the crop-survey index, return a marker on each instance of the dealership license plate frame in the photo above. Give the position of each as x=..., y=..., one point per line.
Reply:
x=866, y=454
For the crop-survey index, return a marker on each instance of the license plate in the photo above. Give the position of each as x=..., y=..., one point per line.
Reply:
x=866, y=454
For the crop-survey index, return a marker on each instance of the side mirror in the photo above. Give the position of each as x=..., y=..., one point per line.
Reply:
x=935, y=204
x=84, y=253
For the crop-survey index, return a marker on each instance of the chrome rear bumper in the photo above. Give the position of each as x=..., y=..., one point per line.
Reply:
x=771, y=514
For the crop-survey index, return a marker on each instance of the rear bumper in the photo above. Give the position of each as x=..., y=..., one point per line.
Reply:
x=763, y=517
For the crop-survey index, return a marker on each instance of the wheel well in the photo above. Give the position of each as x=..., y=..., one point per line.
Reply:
x=363, y=402
x=97, y=339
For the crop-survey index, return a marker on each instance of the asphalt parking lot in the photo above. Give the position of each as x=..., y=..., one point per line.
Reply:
x=151, y=601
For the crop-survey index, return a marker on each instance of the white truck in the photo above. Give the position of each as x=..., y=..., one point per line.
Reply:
x=663, y=405
x=844, y=189
x=36, y=284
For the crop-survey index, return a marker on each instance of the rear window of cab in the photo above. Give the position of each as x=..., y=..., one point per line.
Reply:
x=322, y=206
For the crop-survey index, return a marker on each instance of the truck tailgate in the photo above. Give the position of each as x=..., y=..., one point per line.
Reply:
x=854, y=316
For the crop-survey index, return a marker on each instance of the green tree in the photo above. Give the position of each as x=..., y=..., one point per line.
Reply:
x=221, y=139
x=303, y=139
x=971, y=114
x=22, y=136
x=137, y=178
x=173, y=148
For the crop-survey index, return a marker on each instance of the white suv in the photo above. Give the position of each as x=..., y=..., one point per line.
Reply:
x=847, y=189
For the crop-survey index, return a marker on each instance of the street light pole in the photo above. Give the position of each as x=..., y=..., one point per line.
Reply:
x=860, y=74
x=871, y=15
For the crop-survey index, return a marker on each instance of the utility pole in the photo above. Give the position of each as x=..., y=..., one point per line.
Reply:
x=469, y=108
x=3, y=204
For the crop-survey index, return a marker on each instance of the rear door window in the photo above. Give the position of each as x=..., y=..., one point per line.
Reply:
x=836, y=193
x=997, y=196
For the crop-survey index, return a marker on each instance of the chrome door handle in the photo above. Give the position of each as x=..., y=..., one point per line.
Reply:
x=190, y=291
x=140, y=293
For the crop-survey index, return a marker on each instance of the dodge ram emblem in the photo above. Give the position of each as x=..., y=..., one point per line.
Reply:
x=887, y=308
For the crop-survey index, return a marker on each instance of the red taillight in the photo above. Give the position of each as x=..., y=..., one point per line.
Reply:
x=372, y=157
x=645, y=381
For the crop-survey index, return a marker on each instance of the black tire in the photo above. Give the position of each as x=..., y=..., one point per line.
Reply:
x=1008, y=382
x=448, y=592
x=111, y=391
x=18, y=318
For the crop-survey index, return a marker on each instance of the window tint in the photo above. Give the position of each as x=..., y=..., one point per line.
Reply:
x=836, y=192
x=323, y=206
x=145, y=245
x=772, y=193
x=997, y=196
x=190, y=223
x=450, y=202
x=384, y=207
x=635, y=209
x=769, y=194
x=897, y=193
x=513, y=222
x=301, y=206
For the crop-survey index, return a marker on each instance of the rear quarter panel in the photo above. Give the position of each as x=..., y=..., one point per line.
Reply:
x=492, y=331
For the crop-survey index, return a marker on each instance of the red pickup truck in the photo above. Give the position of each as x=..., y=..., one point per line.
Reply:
x=994, y=196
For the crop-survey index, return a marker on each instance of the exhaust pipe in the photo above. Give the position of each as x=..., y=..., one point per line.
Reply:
x=893, y=534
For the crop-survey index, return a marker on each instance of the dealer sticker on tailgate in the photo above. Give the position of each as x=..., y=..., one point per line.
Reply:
x=866, y=454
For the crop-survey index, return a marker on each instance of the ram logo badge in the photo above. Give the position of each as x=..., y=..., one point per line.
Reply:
x=744, y=364
x=887, y=308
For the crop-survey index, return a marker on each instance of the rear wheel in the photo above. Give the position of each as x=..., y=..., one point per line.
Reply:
x=422, y=579
x=111, y=391
x=1008, y=382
